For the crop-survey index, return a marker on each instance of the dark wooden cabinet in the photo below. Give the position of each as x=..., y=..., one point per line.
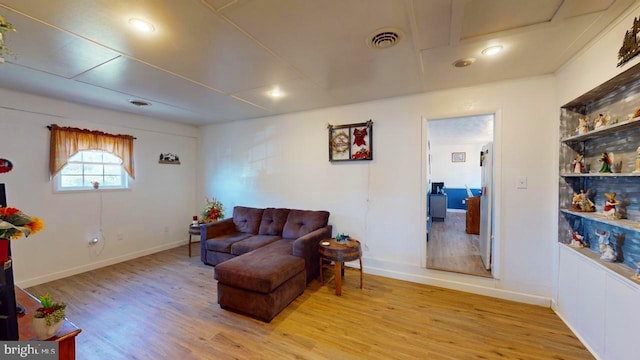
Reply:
x=473, y=215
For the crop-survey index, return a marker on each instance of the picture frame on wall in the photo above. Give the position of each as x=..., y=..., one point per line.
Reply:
x=351, y=142
x=458, y=156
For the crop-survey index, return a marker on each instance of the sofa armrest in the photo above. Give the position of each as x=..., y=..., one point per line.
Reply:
x=306, y=247
x=213, y=230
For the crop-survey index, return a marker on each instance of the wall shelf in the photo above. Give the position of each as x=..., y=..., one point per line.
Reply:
x=623, y=125
x=624, y=271
x=621, y=223
x=599, y=174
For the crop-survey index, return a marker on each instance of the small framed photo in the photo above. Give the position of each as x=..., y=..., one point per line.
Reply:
x=458, y=157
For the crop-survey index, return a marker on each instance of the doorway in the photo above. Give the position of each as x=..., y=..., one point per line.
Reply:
x=460, y=194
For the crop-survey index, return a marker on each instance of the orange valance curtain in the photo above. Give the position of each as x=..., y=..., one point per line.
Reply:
x=66, y=141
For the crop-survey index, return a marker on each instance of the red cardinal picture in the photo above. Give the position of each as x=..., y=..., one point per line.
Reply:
x=358, y=137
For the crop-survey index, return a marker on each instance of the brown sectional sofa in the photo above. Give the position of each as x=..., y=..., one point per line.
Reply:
x=263, y=258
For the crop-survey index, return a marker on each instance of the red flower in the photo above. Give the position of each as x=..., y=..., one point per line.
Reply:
x=8, y=211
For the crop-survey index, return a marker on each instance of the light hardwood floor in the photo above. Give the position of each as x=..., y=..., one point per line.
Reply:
x=450, y=248
x=163, y=306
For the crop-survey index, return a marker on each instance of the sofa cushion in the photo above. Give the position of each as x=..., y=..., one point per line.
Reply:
x=247, y=219
x=260, y=273
x=302, y=222
x=273, y=221
x=252, y=243
x=223, y=243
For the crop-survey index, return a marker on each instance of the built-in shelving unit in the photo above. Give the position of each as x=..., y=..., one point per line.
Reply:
x=618, y=99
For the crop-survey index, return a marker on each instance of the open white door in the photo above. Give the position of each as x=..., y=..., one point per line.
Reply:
x=486, y=204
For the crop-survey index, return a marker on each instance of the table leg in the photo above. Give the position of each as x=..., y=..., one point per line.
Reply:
x=321, y=268
x=189, y=244
x=360, y=273
x=337, y=268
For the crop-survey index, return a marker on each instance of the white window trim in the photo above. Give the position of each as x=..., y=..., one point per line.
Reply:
x=57, y=183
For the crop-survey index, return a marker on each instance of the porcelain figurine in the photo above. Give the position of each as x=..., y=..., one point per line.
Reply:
x=601, y=121
x=577, y=165
x=582, y=127
x=636, y=275
x=608, y=254
x=609, y=209
x=637, y=170
x=606, y=250
x=606, y=159
x=581, y=202
x=576, y=240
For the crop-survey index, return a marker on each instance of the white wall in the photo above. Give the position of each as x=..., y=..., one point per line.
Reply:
x=283, y=161
x=456, y=174
x=152, y=216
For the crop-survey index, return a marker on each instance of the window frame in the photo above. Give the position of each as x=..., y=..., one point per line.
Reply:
x=125, y=183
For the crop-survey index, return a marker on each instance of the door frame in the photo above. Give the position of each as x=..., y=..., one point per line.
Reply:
x=497, y=242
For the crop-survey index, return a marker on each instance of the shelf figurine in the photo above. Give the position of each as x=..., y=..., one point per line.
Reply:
x=606, y=160
x=581, y=202
x=610, y=205
x=606, y=250
x=601, y=121
x=577, y=165
x=577, y=240
x=582, y=127
x=636, y=275
x=637, y=170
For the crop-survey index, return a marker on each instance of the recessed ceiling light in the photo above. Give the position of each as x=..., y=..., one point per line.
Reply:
x=276, y=93
x=139, y=102
x=141, y=25
x=492, y=50
x=464, y=62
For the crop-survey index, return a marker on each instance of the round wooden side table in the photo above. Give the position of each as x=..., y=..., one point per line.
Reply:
x=339, y=252
x=193, y=230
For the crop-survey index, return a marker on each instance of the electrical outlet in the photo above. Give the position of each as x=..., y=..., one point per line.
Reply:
x=464, y=201
x=521, y=182
x=120, y=237
x=166, y=230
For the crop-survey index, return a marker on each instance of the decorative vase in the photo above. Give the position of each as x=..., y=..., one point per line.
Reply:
x=44, y=331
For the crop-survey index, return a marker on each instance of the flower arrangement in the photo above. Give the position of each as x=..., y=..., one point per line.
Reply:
x=213, y=211
x=51, y=312
x=4, y=27
x=14, y=223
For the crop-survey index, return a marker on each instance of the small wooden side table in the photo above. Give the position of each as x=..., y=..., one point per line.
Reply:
x=66, y=336
x=193, y=230
x=339, y=252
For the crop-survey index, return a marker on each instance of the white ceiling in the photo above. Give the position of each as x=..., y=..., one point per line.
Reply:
x=215, y=60
x=462, y=130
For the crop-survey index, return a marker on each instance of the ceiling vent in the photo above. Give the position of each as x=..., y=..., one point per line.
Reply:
x=384, y=38
x=139, y=103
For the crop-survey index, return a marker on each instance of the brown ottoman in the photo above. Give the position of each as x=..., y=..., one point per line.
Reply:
x=260, y=285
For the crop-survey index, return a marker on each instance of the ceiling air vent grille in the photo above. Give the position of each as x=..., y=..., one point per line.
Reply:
x=384, y=38
x=139, y=102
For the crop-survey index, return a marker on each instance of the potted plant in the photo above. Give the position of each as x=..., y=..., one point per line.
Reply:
x=213, y=211
x=48, y=319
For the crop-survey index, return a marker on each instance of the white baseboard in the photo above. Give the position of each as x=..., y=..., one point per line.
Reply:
x=96, y=265
x=577, y=334
x=453, y=281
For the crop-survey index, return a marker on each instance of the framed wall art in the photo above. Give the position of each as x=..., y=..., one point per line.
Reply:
x=458, y=157
x=351, y=142
x=169, y=158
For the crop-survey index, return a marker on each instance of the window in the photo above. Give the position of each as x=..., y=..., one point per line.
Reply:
x=87, y=166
